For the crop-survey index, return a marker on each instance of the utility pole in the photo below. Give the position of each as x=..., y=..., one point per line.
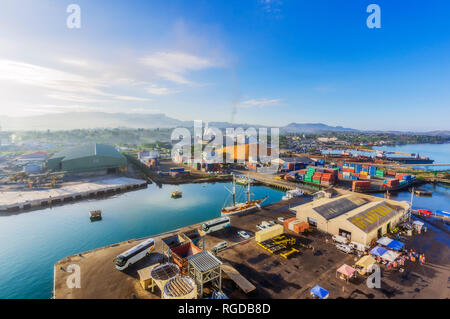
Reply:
x=410, y=203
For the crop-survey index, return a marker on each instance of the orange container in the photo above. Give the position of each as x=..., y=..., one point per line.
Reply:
x=287, y=221
x=300, y=227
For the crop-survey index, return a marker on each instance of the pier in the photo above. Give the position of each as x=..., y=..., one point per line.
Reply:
x=27, y=199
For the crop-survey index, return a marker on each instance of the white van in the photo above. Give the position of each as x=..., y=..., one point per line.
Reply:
x=344, y=248
x=340, y=239
x=220, y=246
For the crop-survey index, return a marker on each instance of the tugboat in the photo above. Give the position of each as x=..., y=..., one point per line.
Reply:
x=247, y=206
x=177, y=194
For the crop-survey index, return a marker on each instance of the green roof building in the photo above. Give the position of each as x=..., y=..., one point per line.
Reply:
x=88, y=157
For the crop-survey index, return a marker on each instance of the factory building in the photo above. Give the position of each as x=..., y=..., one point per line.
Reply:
x=246, y=152
x=360, y=218
x=90, y=157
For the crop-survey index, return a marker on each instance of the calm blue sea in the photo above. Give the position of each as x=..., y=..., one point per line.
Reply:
x=32, y=242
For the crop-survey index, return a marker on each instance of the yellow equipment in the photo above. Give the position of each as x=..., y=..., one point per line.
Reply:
x=284, y=241
x=286, y=254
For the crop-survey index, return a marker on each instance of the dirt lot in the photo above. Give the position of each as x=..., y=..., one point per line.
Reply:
x=274, y=276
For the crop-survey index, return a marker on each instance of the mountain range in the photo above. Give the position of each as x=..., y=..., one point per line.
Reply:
x=91, y=120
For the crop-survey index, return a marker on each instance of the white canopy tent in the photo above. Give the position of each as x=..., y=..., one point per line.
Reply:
x=390, y=255
x=384, y=241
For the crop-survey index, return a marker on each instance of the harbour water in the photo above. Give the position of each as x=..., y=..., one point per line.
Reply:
x=31, y=242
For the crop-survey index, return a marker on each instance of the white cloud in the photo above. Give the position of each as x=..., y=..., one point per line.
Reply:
x=173, y=66
x=260, y=103
x=156, y=90
x=45, y=84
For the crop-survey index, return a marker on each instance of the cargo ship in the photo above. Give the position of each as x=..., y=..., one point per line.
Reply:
x=411, y=160
x=249, y=205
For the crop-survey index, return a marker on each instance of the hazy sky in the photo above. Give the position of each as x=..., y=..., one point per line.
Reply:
x=266, y=62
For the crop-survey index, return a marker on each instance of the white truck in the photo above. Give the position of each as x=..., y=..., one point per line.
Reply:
x=358, y=246
x=340, y=239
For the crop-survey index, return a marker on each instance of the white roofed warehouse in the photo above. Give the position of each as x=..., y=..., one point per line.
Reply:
x=360, y=218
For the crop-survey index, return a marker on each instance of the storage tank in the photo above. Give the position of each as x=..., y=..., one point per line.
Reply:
x=163, y=273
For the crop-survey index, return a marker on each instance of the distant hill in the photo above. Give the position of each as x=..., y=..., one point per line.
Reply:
x=91, y=120
x=314, y=128
x=88, y=120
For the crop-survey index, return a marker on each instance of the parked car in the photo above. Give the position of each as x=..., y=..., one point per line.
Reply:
x=272, y=222
x=243, y=234
x=281, y=219
x=261, y=227
x=340, y=239
x=266, y=224
x=344, y=248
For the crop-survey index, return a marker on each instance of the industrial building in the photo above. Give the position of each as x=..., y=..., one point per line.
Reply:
x=360, y=218
x=246, y=152
x=90, y=157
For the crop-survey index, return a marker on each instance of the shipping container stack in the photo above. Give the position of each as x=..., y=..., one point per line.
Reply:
x=178, y=172
x=295, y=225
x=356, y=171
x=316, y=175
x=360, y=185
x=292, y=166
x=399, y=180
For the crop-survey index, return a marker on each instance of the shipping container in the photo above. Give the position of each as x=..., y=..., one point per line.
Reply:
x=287, y=221
x=300, y=227
x=292, y=223
x=268, y=233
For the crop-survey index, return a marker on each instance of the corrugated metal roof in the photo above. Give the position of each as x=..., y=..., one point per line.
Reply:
x=340, y=206
x=204, y=261
x=374, y=216
x=88, y=150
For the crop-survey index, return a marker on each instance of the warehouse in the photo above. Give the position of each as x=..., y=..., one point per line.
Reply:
x=360, y=218
x=90, y=157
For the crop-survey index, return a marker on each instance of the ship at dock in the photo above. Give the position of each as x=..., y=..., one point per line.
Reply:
x=247, y=206
x=412, y=160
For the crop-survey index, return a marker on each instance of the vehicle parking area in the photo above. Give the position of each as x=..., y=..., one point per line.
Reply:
x=315, y=263
x=294, y=276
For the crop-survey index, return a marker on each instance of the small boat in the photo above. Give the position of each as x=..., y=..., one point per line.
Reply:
x=422, y=192
x=177, y=194
x=293, y=193
x=95, y=215
x=249, y=205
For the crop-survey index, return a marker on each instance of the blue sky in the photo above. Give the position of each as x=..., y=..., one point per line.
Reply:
x=268, y=62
